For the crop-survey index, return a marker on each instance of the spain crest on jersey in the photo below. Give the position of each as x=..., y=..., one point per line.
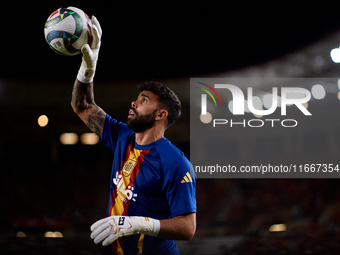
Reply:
x=128, y=166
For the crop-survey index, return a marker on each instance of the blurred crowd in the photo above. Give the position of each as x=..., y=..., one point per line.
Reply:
x=72, y=194
x=252, y=205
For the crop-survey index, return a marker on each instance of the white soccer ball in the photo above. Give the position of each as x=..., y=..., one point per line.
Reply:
x=67, y=30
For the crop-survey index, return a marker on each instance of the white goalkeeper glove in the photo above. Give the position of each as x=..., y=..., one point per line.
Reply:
x=109, y=229
x=90, y=54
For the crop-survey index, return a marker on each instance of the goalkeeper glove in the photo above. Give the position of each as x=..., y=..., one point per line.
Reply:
x=90, y=54
x=109, y=229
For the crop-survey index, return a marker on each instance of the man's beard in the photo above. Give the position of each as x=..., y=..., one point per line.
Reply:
x=141, y=123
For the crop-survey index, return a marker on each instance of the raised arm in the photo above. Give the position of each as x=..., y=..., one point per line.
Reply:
x=82, y=95
x=83, y=104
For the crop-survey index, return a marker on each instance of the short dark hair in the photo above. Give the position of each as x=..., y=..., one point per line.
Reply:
x=167, y=98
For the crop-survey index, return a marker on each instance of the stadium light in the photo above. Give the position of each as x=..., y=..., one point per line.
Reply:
x=68, y=138
x=42, y=120
x=335, y=55
x=56, y=234
x=21, y=234
x=89, y=139
x=278, y=228
x=318, y=91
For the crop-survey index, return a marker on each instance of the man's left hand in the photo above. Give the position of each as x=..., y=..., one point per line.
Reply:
x=109, y=229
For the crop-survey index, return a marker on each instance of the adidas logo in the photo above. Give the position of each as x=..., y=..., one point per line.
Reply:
x=187, y=178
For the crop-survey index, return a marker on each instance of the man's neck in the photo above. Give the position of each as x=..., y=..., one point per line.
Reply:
x=148, y=136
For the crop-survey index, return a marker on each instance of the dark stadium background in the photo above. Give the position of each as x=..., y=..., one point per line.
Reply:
x=47, y=186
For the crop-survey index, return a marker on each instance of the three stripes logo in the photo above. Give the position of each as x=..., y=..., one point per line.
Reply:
x=204, y=97
x=187, y=178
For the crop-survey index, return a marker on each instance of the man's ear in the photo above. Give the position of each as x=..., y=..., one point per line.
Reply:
x=161, y=114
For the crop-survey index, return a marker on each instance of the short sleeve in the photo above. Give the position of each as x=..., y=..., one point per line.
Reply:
x=112, y=130
x=181, y=188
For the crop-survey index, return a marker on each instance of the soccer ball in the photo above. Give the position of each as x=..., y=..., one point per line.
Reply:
x=67, y=30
